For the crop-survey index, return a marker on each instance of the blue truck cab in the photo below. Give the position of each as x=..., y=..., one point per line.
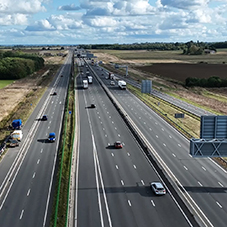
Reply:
x=52, y=137
x=17, y=124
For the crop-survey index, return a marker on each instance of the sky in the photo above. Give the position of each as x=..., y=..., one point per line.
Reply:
x=72, y=22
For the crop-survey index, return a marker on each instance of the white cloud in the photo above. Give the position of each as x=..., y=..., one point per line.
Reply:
x=69, y=7
x=42, y=25
x=16, y=19
x=184, y=4
x=57, y=22
x=21, y=6
x=101, y=22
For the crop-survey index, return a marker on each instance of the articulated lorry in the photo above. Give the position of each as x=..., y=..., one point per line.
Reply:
x=122, y=84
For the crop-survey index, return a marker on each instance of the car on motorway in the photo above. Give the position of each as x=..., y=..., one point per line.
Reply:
x=14, y=143
x=93, y=105
x=52, y=137
x=61, y=75
x=158, y=188
x=44, y=118
x=118, y=144
x=112, y=83
x=55, y=93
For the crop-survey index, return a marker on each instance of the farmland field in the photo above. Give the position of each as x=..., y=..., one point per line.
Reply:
x=165, y=56
x=181, y=71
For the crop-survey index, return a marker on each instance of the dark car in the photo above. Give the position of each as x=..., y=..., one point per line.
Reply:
x=118, y=144
x=44, y=118
x=93, y=105
x=55, y=93
x=61, y=75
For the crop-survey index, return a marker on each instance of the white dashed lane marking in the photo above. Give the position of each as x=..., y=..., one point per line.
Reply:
x=28, y=193
x=21, y=215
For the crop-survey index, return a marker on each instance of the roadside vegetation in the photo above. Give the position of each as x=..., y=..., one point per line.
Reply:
x=16, y=65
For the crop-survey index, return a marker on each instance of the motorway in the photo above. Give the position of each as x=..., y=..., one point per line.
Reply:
x=201, y=179
x=177, y=102
x=113, y=184
x=26, y=197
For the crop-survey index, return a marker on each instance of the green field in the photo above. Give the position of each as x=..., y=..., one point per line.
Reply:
x=217, y=58
x=4, y=83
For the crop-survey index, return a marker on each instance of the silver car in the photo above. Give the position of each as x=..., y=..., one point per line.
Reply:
x=158, y=188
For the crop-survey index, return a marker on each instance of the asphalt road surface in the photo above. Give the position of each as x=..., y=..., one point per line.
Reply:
x=113, y=184
x=202, y=179
x=26, y=193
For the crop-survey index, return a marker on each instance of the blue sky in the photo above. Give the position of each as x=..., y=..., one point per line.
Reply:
x=115, y=21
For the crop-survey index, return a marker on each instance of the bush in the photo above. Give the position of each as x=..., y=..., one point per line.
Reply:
x=213, y=81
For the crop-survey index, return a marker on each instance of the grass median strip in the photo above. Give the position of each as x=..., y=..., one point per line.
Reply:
x=59, y=217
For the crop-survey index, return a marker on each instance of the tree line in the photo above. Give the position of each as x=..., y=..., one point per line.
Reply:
x=189, y=48
x=16, y=65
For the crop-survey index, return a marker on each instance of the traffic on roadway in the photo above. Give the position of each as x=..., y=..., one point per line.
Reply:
x=27, y=172
x=200, y=182
x=115, y=180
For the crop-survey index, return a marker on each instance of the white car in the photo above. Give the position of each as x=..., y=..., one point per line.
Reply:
x=112, y=83
x=158, y=188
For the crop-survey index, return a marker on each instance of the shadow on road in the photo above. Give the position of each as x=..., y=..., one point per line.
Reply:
x=205, y=189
